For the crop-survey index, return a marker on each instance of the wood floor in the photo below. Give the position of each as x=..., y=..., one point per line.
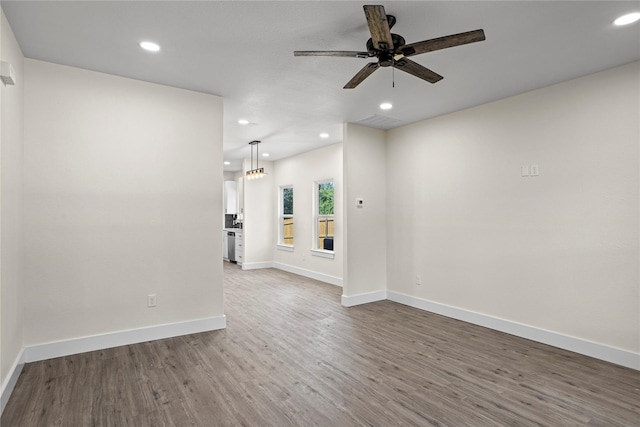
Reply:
x=292, y=355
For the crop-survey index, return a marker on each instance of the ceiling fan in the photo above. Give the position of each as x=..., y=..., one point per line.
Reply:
x=391, y=49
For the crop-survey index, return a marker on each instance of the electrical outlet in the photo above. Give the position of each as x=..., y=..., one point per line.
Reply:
x=535, y=171
x=151, y=300
x=418, y=279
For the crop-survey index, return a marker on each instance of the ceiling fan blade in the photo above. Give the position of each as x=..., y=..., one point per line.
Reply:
x=378, y=27
x=345, y=53
x=361, y=75
x=417, y=70
x=441, y=43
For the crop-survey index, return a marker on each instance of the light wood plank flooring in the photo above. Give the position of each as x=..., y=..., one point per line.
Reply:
x=292, y=355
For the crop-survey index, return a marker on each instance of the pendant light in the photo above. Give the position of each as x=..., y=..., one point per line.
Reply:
x=258, y=172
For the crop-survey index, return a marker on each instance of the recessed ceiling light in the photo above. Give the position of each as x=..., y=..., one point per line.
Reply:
x=150, y=46
x=627, y=19
x=386, y=106
x=324, y=135
x=243, y=121
x=227, y=163
x=265, y=154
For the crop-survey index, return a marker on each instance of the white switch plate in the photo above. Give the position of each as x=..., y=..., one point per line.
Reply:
x=525, y=170
x=418, y=280
x=534, y=170
x=151, y=300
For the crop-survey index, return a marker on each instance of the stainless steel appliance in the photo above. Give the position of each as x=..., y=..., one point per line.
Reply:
x=231, y=244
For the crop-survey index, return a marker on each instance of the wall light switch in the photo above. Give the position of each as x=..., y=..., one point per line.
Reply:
x=151, y=300
x=535, y=171
x=359, y=203
x=525, y=170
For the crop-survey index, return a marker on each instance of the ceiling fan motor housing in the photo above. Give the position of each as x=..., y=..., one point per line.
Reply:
x=386, y=55
x=385, y=59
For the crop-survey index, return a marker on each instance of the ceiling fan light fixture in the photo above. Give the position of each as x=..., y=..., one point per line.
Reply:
x=386, y=106
x=627, y=19
x=150, y=46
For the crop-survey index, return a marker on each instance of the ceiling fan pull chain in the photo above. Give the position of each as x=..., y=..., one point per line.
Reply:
x=393, y=77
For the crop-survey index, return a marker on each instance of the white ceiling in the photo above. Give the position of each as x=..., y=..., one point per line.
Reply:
x=243, y=51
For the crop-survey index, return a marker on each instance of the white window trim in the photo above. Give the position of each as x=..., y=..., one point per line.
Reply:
x=283, y=247
x=322, y=253
x=281, y=216
x=315, y=250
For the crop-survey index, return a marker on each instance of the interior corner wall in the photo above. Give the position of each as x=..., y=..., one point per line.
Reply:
x=365, y=173
x=122, y=199
x=11, y=230
x=258, y=224
x=301, y=172
x=558, y=251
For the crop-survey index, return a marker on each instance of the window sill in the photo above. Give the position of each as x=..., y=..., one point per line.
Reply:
x=287, y=248
x=322, y=253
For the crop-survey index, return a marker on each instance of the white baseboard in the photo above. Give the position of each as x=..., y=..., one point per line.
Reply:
x=50, y=350
x=566, y=342
x=256, y=265
x=332, y=280
x=350, y=301
x=11, y=380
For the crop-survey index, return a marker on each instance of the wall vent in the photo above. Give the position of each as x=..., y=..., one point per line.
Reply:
x=380, y=122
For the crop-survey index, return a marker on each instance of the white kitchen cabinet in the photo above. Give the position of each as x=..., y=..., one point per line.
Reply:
x=240, y=196
x=239, y=247
x=230, y=197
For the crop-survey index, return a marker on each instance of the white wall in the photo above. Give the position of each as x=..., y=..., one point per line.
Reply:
x=122, y=199
x=259, y=206
x=302, y=171
x=366, y=235
x=11, y=236
x=559, y=251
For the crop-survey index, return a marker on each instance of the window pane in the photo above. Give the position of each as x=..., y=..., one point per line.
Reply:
x=325, y=198
x=325, y=233
x=287, y=231
x=287, y=201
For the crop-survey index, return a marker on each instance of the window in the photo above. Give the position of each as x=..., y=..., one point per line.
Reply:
x=324, y=215
x=286, y=216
